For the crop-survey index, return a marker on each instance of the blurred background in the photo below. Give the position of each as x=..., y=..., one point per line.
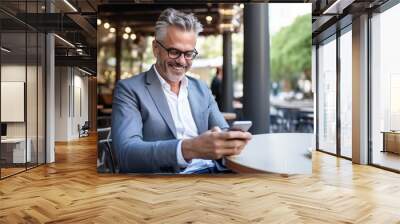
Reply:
x=59, y=60
x=124, y=39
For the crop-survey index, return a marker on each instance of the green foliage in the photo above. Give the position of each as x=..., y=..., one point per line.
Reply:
x=291, y=50
x=210, y=47
x=237, y=54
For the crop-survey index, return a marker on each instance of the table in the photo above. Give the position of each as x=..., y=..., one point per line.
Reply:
x=281, y=153
x=391, y=141
x=293, y=104
x=107, y=111
x=13, y=150
x=294, y=115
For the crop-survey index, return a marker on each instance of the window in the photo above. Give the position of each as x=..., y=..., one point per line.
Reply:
x=327, y=95
x=385, y=85
x=346, y=93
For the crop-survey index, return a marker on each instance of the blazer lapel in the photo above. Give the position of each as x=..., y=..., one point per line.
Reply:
x=157, y=94
x=195, y=101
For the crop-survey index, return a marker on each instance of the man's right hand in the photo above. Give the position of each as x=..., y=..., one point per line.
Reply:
x=215, y=144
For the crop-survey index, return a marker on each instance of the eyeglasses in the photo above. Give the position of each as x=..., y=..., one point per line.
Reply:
x=174, y=53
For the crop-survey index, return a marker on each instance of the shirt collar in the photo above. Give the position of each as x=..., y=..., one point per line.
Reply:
x=165, y=84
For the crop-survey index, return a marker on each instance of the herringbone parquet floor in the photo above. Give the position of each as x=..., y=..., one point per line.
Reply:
x=71, y=191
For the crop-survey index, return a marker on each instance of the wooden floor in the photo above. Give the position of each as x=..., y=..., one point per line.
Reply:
x=71, y=191
x=10, y=171
x=386, y=159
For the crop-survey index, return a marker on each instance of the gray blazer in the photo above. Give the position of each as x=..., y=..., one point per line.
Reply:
x=143, y=132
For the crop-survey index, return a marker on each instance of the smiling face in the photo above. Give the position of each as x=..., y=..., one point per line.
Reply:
x=173, y=70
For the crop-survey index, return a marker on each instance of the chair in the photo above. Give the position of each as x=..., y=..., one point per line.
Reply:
x=106, y=155
x=103, y=121
x=84, y=129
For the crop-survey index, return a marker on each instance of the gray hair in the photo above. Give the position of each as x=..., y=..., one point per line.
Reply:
x=172, y=17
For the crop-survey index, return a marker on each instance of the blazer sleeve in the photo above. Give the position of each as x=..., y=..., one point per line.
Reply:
x=134, y=154
x=215, y=117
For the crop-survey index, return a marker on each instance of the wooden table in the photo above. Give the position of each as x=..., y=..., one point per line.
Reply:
x=282, y=153
x=391, y=141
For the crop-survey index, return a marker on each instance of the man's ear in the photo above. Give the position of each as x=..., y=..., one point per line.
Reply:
x=155, y=48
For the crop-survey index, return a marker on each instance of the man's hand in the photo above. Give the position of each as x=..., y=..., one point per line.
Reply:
x=215, y=144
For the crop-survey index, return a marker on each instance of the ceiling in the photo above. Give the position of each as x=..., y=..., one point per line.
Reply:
x=144, y=16
x=76, y=22
x=330, y=15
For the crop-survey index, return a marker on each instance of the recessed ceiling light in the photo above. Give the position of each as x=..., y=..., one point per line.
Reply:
x=64, y=40
x=70, y=5
x=5, y=49
x=209, y=19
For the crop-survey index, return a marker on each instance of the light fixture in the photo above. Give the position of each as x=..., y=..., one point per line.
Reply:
x=84, y=71
x=226, y=26
x=337, y=7
x=65, y=41
x=106, y=25
x=128, y=29
x=98, y=22
x=209, y=19
x=80, y=51
x=241, y=5
x=112, y=30
x=70, y=5
x=226, y=12
x=133, y=36
x=125, y=36
x=5, y=50
x=43, y=7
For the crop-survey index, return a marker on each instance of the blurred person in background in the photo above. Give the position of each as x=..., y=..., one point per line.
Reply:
x=216, y=87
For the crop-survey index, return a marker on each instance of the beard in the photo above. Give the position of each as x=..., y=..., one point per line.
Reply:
x=172, y=70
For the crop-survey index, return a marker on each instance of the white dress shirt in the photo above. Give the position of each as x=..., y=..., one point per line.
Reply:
x=181, y=112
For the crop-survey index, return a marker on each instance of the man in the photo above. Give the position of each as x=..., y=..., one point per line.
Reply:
x=161, y=118
x=216, y=87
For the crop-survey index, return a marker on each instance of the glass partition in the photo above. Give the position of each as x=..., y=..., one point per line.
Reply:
x=41, y=96
x=346, y=93
x=22, y=88
x=327, y=95
x=14, y=153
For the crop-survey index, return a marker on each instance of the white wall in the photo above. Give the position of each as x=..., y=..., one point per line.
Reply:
x=14, y=73
x=33, y=127
x=71, y=102
x=62, y=82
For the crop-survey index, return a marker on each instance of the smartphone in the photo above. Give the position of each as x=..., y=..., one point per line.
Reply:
x=240, y=126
